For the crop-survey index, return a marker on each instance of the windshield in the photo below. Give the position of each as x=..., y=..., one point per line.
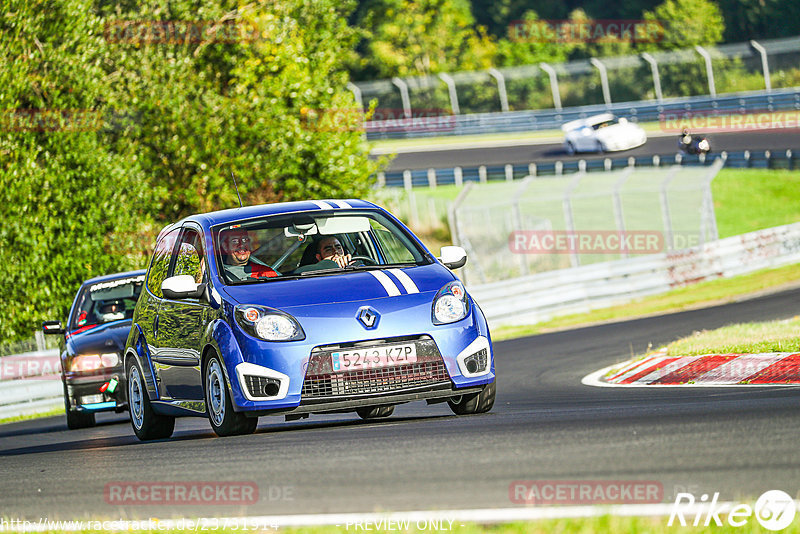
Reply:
x=105, y=302
x=605, y=123
x=304, y=244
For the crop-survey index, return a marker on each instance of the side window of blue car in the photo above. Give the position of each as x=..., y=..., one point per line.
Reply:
x=190, y=258
x=159, y=268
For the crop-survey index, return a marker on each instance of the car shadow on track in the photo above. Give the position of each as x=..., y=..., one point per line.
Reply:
x=196, y=434
x=46, y=425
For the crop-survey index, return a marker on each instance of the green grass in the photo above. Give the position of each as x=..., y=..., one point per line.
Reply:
x=56, y=411
x=753, y=338
x=746, y=200
x=698, y=295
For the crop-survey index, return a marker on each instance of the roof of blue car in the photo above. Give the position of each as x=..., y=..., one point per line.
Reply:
x=114, y=276
x=225, y=216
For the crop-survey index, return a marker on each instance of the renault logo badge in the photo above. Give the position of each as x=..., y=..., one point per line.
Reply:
x=368, y=317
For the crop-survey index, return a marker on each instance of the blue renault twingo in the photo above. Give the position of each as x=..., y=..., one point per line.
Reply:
x=299, y=308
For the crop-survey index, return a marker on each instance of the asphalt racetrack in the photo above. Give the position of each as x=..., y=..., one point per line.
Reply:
x=545, y=425
x=775, y=140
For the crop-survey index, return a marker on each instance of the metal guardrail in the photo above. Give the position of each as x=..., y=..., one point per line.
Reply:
x=30, y=383
x=764, y=159
x=534, y=298
x=641, y=111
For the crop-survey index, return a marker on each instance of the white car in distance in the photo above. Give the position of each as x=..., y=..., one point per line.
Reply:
x=602, y=133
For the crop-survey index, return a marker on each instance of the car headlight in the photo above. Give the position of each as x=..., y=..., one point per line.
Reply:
x=450, y=304
x=268, y=324
x=92, y=362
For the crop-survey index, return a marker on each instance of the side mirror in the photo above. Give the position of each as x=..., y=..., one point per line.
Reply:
x=453, y=257
x=52, y=327
x=181, y=287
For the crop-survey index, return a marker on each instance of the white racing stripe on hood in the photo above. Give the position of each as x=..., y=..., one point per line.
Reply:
x=341, y=203
x=407, y=282
x=322, y=205
x=386, y=282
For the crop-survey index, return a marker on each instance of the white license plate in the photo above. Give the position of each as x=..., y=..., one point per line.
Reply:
x=91, y=399
x=373, y=357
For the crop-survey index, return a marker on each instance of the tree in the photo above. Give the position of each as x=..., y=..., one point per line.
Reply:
x=69, y=205
x=422, y=37
x=687, y=23
x=208, y=107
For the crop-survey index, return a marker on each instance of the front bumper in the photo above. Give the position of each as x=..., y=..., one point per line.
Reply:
x=83, y=391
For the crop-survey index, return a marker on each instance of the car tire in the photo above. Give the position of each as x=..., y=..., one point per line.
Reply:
x=375, y=412
x=570, y=148
x=147, y=424
x=473, y=403
x=224, y=421
x=75, y=419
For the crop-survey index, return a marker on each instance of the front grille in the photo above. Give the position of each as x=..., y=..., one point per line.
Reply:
x=322, y=383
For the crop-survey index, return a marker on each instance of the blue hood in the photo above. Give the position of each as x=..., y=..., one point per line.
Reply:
x=340, y=287
x=109, y=337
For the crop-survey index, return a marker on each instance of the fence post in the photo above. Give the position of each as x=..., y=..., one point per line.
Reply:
x=665, y=216
x=559, y=167
x=764, y=63
x=432, y=178
x=40, y=342
x=607, y=164
x=712, y=88
x=356, y=93
x=509, y=172
x=569, y=221
x=451, y=88
x=603, y=79
x=407, y=184
x=656, y=78
x=458, y=174
x=403, y=86
x=516, y=215
x=532, y=169
x=551, y=72
x=482, y=174
x=381, y=179
x=501, y=87
x=619, y=214
x=708, y=220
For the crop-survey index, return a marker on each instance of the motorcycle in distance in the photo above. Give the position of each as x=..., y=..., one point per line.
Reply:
x=693, y=144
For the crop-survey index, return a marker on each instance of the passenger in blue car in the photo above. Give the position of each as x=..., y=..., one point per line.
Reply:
x=236, y=257
x=328, y=253
x=329, y=248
